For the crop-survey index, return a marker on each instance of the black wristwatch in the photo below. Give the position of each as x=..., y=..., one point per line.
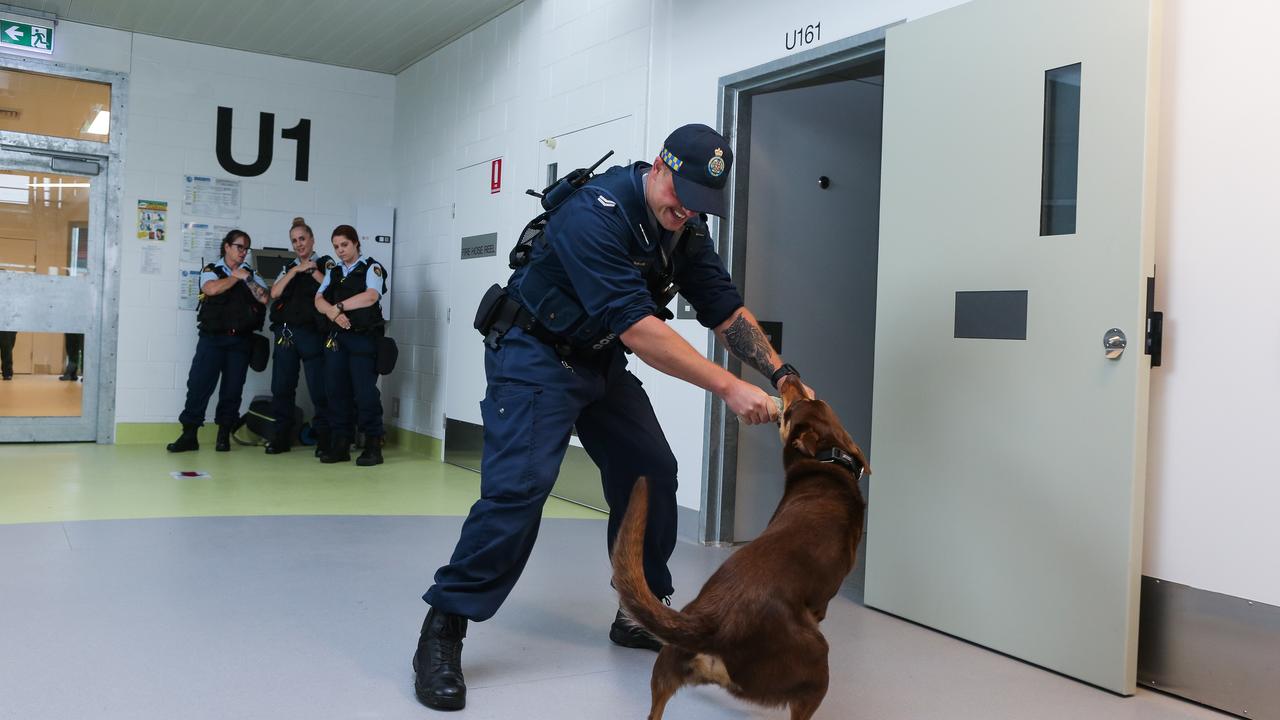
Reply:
x=340, y=309
x=785, y=370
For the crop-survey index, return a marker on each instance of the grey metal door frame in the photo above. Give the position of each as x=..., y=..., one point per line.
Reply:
x=40, y=152
x=719, y=471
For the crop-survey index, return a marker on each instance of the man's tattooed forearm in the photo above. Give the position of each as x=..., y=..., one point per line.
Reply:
x=749, y=345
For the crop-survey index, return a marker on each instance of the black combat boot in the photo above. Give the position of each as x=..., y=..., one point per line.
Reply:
x=338, y=451
x=627, y=633
x=186, y=441
x=372, y=454
x=224, y=439
x=280, y=443
x=322, y=442
x=437, y=664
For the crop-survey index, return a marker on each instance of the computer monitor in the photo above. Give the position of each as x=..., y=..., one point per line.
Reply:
x=268, y=262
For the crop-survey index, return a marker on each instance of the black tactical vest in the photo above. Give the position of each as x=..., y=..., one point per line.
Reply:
x=544, y=288
x=296, y=306
x=346, y=287
x=233, y=312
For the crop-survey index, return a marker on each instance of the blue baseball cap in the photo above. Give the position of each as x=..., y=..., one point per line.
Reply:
x=700, y=159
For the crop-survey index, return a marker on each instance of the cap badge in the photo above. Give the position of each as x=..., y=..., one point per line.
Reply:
x=671, y=160
x=715, y=168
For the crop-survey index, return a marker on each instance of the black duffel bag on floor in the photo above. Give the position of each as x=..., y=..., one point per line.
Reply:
x=260, y=422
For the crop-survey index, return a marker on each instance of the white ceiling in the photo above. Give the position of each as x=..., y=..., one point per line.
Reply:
x=380, y=35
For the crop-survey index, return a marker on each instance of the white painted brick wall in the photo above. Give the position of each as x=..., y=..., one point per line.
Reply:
x=175, y=89
x=542, y=68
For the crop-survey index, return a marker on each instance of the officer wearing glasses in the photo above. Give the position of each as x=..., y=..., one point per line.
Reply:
x=233, y=302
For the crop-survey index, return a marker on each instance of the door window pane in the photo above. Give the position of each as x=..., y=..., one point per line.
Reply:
x=1061, y=150
x=51, y=105
x=44, y=223
x=42, y=374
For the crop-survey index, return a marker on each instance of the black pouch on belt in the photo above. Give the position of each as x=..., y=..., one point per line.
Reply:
x=259, y=352
x=487, y=312
x=388, y=353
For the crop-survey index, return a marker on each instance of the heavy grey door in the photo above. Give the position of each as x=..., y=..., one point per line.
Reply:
x=1016, y=233
x=51, y=276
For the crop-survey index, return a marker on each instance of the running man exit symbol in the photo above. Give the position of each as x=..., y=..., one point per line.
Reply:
x=26, y=36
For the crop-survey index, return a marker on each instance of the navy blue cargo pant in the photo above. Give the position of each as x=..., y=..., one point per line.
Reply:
x=225, y=356
x=351, y=377
x=298, y=348
x=532, y=403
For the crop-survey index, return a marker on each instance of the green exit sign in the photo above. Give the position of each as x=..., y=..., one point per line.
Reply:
x=26, y=36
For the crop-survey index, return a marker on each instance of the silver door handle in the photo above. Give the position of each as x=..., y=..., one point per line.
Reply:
x=1113, y=343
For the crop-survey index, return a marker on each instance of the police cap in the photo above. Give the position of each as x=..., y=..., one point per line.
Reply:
x=699, y=158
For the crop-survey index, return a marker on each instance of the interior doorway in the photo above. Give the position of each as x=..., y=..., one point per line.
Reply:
x=802, y=242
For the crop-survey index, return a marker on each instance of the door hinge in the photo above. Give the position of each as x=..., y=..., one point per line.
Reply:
x=1154, y=344
x=453, y=211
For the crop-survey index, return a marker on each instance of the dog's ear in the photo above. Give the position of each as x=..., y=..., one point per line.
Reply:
x=806, y=441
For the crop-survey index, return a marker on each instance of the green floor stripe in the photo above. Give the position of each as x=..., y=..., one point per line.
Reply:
x=84, y=481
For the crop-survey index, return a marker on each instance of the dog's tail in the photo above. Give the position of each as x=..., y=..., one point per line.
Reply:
x=670, y=626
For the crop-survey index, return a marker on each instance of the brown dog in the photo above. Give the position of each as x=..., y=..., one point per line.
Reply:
x=753, y=629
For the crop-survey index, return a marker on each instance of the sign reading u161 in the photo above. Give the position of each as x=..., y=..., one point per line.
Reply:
x=36, y=38
x=802, y=36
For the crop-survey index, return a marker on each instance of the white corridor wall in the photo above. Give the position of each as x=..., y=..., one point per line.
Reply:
x=541, y=69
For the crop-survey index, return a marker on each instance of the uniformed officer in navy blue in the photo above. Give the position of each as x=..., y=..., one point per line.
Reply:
x=299, y=332
x=233, y=302
x=350, y=296
x=587, y=289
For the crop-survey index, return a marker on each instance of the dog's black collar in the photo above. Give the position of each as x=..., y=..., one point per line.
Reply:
x=836, y=456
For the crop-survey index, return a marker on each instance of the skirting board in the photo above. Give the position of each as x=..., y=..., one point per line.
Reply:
x=1215, y=649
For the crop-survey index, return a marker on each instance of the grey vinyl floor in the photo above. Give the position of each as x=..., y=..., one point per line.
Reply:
x=317, y=617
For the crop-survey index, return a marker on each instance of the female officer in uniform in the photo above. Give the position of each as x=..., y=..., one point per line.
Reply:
x=299, y=339
x=350, y=297
x=232, y=305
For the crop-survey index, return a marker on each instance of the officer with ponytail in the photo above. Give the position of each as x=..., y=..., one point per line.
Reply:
x=233, y=302
x=299, y=339
x=350, y=297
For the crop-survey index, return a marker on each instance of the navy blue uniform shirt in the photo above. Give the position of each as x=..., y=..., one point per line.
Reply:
x=597, y=254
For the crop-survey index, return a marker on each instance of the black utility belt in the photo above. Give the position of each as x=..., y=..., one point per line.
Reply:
x=227, y=333
x=499, y=312
x=374, y=331
x=314, y=325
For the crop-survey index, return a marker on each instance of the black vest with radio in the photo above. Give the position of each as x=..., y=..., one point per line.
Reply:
x=231, y=312
x=296, y=306
x=343, y=288
x=540, y=281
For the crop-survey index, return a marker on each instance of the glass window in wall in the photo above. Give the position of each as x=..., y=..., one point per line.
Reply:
x=44, y=222
x=57, y=106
